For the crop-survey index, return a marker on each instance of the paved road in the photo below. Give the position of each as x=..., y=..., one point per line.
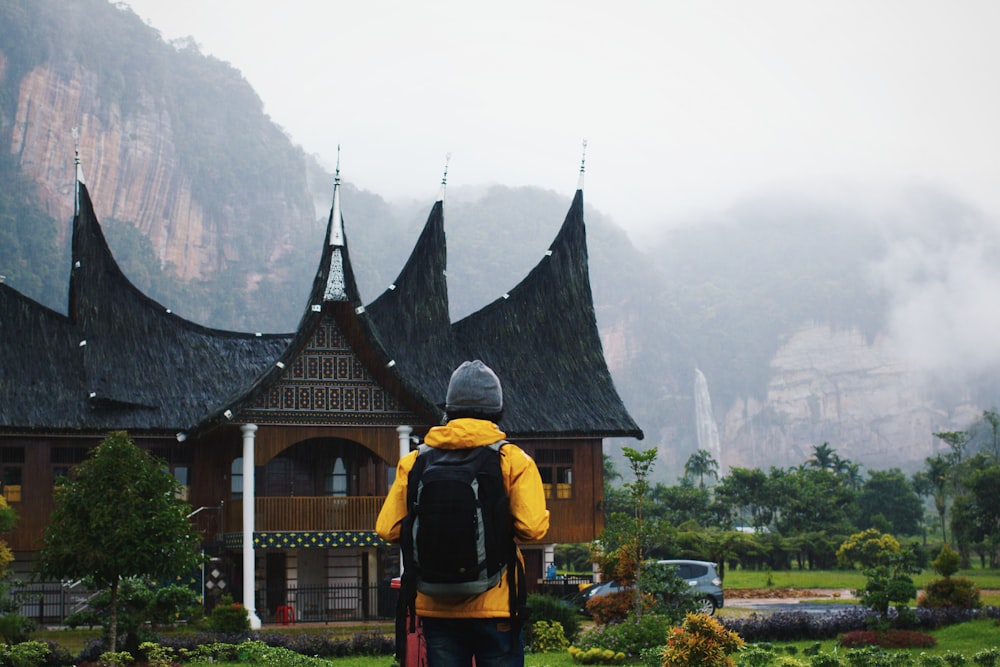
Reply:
x=822, y=603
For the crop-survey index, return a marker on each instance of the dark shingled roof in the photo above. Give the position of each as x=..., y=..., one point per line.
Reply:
x=119, y=360
x=541, y=338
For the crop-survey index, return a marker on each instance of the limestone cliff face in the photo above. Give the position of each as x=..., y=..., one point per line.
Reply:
x=839, y=387
x=131, y=167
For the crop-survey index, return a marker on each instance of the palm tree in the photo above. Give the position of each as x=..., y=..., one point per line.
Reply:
x=823, y=457
x=699, y=465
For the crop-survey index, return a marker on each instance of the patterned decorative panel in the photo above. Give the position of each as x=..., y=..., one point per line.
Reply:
x=327, y=384
x=299, y=540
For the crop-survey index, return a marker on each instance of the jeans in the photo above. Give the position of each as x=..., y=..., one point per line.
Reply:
x=452, y=642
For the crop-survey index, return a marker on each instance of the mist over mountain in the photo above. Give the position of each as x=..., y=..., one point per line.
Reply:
x=856, y=317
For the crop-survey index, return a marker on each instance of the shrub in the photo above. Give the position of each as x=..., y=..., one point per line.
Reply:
x=548, y=608
x=947, y=562
x=157, y=655
x=229, y=617
x=954, y=659
x=950, y=592
x=988, y=657
x=824, y=660
x=701, y=641
x=25, y=654
x=15, y=628
x=868, y=656
x=116, y=659
x=926, y=660
x=887, y=639
x=596, y=656
x=547, y=637
x=756, y=655
x=615, y=607
x=651, y=656
x=629, y=636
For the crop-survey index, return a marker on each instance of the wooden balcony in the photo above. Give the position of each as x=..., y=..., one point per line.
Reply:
x=306, y=513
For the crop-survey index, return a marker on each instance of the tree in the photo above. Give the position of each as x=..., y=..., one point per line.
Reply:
x=938, y=480
x=957, y=440
x=889, y=493
x=823, y=457
x=983, y=487
x=641, y=464
x=887, y=567
x=746, y=495
x=120, y=515
x=993, y=419
x=701, y=464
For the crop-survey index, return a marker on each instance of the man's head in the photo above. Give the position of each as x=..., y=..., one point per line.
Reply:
x=474, y=391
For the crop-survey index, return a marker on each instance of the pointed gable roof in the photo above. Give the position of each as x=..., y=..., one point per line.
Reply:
x=412, y=314
x=335, y=369
x=121, y=359
x=541, y=338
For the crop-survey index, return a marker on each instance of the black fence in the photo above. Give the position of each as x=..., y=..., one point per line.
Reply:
x=342, y=602
x=566, y=588
x=49, y=603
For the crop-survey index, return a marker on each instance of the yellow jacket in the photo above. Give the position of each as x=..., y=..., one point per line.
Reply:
x=527, y=508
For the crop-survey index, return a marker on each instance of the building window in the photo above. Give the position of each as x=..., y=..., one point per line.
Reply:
x=556, y=469
x=336, y=479
x=11, y=471
x=178, y=463
x=236, y=478
x=63, y=459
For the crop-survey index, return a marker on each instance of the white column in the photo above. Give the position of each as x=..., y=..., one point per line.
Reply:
x=249, y=500
x=404, y=432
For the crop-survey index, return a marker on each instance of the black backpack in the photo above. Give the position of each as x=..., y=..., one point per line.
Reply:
x=457, y=538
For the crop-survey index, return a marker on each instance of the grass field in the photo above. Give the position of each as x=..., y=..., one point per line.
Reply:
x=852, y=579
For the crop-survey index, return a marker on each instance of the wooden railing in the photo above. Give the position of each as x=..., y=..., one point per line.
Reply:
x=302, y=513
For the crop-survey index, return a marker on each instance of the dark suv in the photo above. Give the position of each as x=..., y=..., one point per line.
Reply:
x=700, y=575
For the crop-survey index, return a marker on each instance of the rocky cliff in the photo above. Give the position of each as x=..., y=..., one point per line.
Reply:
x=130, y=163
x=837, y=386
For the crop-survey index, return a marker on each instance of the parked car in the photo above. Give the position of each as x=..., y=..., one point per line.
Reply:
x=701, y=576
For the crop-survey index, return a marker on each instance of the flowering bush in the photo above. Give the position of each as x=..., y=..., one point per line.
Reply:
x=701, y=641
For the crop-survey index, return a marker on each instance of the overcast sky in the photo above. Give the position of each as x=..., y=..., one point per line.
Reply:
x=686, y=106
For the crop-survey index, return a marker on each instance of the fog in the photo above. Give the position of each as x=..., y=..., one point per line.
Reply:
x=686, y=107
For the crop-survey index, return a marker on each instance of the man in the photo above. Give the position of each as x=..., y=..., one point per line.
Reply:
x=480, y=626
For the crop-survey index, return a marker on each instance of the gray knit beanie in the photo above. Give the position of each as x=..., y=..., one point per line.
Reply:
x=474, y=387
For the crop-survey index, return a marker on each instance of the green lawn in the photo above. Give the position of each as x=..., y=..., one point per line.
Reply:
x=852, y=579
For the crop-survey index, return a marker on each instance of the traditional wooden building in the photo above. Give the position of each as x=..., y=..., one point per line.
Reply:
x=286, y=444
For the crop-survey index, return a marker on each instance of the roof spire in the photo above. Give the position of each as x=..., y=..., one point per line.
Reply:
x=336, y=289
x=337, y=224
x=583, y=162
x=444, y=177
x=79, y=170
